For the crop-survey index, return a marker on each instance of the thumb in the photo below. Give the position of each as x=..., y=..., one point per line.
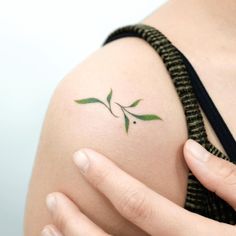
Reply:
x=216, y=174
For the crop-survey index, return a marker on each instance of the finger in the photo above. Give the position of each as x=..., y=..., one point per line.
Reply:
x=69, y=219
x=216, y=174
x=139, y=204
x=50, y=230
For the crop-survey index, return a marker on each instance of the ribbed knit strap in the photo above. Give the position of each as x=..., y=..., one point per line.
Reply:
x=198, y=198
x=210, y=110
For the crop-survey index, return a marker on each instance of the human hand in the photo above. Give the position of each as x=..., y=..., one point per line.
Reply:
x=147, y=209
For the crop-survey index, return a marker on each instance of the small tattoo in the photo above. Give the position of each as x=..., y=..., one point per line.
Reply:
x=94, y=100
x=144, y=117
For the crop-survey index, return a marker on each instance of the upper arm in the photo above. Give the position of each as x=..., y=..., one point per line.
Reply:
x=151, y=151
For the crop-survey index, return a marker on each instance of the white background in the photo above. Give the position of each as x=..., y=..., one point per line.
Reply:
x=40, y=42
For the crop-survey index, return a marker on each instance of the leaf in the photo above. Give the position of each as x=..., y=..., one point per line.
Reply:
x=147, y=117
x=126, y=123
x=109, y=97
x=88, y=100
x=134, y=104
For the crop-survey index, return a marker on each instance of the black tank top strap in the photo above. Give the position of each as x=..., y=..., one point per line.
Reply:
x=217, y=122
x=198, y=199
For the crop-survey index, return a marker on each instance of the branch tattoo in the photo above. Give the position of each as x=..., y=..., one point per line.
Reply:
x=145, y=117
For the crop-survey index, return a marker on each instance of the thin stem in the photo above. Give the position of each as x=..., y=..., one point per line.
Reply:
x=129, y=112
x=120, y=107
x=109, y=108
x=123, y=108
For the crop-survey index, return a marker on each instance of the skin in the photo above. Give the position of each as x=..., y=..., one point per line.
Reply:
x=147, y=209
x=152, y=152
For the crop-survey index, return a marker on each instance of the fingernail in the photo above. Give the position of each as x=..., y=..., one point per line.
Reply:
x=81, y=160
x=48, y=232
x=51, y=202
x=197, y=150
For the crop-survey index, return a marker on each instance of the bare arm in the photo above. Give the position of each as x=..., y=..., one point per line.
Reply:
x=151, y=150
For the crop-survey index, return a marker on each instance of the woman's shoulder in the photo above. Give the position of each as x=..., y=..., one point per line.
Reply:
x=133, y=70
x=128, y=70
x=121, y=102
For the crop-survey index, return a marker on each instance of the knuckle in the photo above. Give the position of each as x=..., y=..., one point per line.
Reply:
x=64, y=223
x=100, y=178
x=226, y=185
x=134, y=206
x=227, y=172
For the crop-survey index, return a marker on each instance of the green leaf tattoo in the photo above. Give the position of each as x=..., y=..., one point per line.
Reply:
x=134, y=104
x=145, y=117
x=140, y=117
x=109, y=98
x=126, y=123
x=88, y=100
x=95, y=100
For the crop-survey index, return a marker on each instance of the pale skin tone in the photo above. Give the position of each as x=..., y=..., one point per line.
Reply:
x=142, y=206
x=156, y=146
